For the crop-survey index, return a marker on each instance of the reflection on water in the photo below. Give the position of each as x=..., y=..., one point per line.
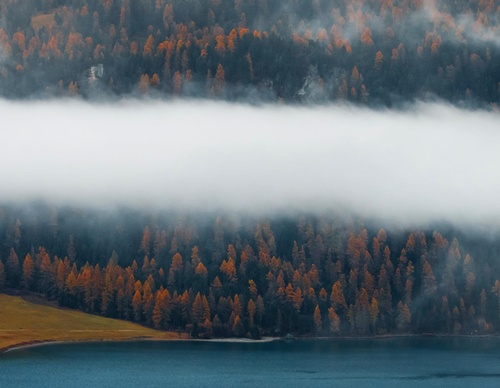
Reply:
x=396, y=362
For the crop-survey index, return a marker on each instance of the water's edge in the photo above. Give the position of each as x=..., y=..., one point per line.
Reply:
x=31, y=344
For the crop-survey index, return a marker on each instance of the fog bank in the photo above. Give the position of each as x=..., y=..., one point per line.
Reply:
x=431, y=163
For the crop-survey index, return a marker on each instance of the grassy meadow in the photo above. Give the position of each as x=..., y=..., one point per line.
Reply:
x=24, y=322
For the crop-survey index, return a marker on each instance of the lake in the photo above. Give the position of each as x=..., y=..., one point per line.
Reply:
x=394, y=362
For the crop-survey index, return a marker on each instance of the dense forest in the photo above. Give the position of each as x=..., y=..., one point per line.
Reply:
x=377, y=52
x=222, y=275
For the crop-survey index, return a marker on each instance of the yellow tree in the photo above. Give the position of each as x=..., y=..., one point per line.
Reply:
x=219, y=83
x=177, y=83
x=251, y=311
x=337, y=297
x=73, y=89
x=107, y=295
x=206, y=308
x=197, y=309
x=379, y=60
x=137, y=306
x=147, y=302
x=144, y=84
x=374, y=312
x=28, y=272
x=62, y=272
x=47, y=273
x=148, y=47
x=72, y=285
x=238, y=328
x=175, y=270
x=237, y=305
x=157, y=312
x=318, y=323
x=334, y=321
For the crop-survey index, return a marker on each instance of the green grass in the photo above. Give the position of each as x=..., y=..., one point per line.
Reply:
x=23, y=322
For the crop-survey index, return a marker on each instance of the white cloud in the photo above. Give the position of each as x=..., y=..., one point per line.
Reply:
x=433, y=162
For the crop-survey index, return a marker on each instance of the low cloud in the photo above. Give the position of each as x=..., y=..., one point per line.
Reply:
x=429, y=163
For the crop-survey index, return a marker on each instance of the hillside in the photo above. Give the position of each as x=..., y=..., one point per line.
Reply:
x=365, y=51
x=227, y=277
x=23, y=322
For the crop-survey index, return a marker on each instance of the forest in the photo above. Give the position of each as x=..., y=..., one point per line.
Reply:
x=219, y=275
x=375, y=52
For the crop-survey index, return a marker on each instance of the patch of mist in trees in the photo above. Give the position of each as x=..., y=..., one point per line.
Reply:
x=423, y=164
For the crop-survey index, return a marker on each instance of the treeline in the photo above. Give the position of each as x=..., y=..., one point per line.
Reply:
x=222, y=276
x=364, y=51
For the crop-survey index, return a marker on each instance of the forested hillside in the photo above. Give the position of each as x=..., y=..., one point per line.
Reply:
x=236, y=276
x=365, y=51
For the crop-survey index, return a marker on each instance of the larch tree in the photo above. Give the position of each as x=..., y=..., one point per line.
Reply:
x=73, y=89
x=206, y=308
x=28, y=272
x=197, y=309
x=145, y=241
x=107, y=295
x=47, y=273
x=72, y=287
x=403, y=317
x=166, y=307
x=318, y=323
x=337, y=299
x=334, y=321
x=251, y=311
x=220, y=81
x=144, y=83
x=177, y=83
x=147, y=302
x=238, y=328
x=175, y=271
x=428, y=281
x=137, y=306
x=157, y=313
x=374, y=312
x=379, y=60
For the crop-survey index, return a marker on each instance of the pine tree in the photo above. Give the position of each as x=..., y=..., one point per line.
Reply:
x=2, y=275
x=12, y=268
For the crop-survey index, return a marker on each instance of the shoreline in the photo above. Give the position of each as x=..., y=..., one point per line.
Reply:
x=31, y=344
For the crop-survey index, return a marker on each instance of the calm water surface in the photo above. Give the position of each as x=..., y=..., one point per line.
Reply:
x=401, y=362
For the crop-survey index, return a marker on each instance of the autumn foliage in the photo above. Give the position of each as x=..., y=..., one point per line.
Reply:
x=309, y=276
x=228, y=49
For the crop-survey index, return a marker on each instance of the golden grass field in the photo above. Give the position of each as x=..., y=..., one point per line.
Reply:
x=23, y=323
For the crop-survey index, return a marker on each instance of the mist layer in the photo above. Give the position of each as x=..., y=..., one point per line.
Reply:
x=429, y=163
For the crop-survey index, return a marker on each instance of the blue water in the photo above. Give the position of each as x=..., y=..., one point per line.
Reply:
x=401, y=362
